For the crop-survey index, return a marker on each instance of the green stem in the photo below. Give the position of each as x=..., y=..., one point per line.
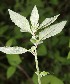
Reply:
x=34, y=52
x=38, y=72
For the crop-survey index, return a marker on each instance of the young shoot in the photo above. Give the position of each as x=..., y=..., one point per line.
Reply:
x=46, y=32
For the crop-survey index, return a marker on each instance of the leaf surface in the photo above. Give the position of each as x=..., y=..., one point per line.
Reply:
x=34, y=18
x=10, y=71
x=13, y=50
x=52, y=30
x=13, y=59
x=20, y=21
x=48, y=21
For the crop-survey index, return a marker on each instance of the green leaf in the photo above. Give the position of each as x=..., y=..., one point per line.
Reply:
x=42, y=50
x=3, y=29
x=10, y=71
x=33, y=40
x=68, y=56
x=17, y=33
x=9, y=42
x=49, y=79
x=54, y=41
x=54, y=2
x=14, y=59
x=35, y=79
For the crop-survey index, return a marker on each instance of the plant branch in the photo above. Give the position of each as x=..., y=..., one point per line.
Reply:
x=39, y=81
x=37, y=67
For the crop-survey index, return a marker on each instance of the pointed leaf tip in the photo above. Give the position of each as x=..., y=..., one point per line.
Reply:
x=48, y=21
x=8, y=9
x=20, y=21
x=10, y=71
x=35, y=6
x=64, y=22
x=34, y=17
x=52, y=30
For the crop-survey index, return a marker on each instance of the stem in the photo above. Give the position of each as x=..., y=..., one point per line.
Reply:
x=36, y=60
x=34, y=52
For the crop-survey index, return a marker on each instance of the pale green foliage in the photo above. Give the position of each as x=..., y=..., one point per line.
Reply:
x=20, y=21
x=32, y=50
x=44, y=73
x=48, y=21
x=13, y=50
x=23, y=23
x=34, y=19
x=52, y=30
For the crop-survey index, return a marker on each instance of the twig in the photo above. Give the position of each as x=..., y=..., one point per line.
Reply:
x=24, y=72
